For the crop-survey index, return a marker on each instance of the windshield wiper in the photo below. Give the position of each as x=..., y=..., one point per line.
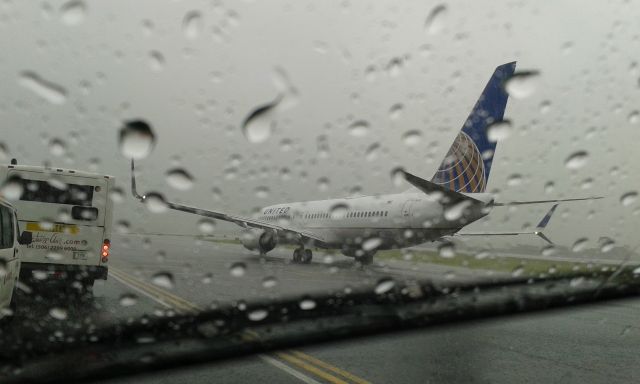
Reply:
x=158, y=343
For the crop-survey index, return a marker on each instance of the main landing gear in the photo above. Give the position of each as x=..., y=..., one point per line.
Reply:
x=302, y=255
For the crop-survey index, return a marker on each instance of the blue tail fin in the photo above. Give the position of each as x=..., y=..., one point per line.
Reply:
x=466, y=166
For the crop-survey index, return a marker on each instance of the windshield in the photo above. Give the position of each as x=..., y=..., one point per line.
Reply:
x=202, y=180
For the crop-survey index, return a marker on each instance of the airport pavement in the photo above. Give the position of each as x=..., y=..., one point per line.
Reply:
x=598, y=343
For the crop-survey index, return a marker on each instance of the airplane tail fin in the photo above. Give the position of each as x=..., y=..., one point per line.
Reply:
x=467, y=164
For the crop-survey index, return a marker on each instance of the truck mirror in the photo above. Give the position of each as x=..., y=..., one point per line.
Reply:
x=26, y=238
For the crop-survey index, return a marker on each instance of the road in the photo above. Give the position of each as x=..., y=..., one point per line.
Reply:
x=599, y=343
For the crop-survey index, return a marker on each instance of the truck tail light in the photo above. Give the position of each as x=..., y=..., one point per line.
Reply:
x=106, y=246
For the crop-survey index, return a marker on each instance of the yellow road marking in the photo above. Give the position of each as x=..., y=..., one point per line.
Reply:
x=297, y=360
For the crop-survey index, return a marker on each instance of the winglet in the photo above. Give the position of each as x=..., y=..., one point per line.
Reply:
x=134, y=192
x=543, y=223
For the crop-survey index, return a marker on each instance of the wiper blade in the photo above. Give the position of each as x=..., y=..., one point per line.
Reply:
x=153, y=344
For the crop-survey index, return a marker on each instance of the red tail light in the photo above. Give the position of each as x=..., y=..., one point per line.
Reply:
x=106, y=246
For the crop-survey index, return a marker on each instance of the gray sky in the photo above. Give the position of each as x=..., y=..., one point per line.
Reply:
x=347, y=61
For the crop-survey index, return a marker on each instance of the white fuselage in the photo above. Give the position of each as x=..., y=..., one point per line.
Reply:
x=396, y=220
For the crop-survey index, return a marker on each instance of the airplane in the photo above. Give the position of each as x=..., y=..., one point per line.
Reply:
x=360, y=226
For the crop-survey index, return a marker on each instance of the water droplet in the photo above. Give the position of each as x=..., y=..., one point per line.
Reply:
x=192, y=25
x=136, y=139
x=358, y=128
x=577, y=160
x=435, y=21
x=482, y=255
x=548, y=250
x=629, y=198
x=179, y=179
x=54, y=256
x=456, y=211
x=394, y=68
x=545, y=107
x=396, y=111
x=128, y=299
x=156, y=61
x=269, y=282
x=371, y=244
x=73, y=12
x=12, y=188
x=577, y=281
x=257, y=127
x=634, y=117
x=116, y=195
x=122, y=226
x=522, y=84
x=514, y=180
x=499, y=130
x=372, y=152
x=4, y=152
x=636, y=271
x=207, y=226
x=338, y=211
x=549, y=187
x=207, y=278
x=323, y=184
x=58, y=313
x=262, y=192
x=397, y=176
x=412, y=138
x=580, y=244
x=307, y=304
x=57, y=147
x=447, y=250
x=518, y=271
x=163, y=279
x=606, y=245
x=238, y=269
x=155, y=202
x=258, y=314
x=50, y=92
x=384, y=285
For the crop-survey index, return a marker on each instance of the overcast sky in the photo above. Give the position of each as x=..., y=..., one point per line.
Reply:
x=194, y=70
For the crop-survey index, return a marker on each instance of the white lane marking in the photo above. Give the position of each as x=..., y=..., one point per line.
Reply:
x=270, y=360
x=297, y=374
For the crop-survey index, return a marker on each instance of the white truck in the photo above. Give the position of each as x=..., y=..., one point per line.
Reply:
x=70, y=216
x=9, y=255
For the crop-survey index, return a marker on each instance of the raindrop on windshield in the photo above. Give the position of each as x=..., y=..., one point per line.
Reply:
x=58, y=313
x=136, y=139
x=338, y=211
x=57, y=147
x=156, y=61
x=307, y=304
x=576, y=160
x=128, y=299
x=262, y=192
x=629, y=198
x=394, y=68
x=155, y=202
x=179, y=179
x=163, y=279
x=238, y=269
x=522, y=84
x=435, y=21
x=269, y=282
x=371, y=244
x=384, y=285
x=396, y=111
x=258, y=126
x=457, y=210
x=412, y=138
x=446, y=250
x=12, y=188
x=606, y=245
x=359, y=128
x=580, y=244
x=514, y=180
x=207, y=226
x=73, y=12
x=499, y=130
x=634, y=117
x=397, y=176
x=192, y=25
x=116, y=195
x=53, y=93
x=54, y=256
x=258, y=314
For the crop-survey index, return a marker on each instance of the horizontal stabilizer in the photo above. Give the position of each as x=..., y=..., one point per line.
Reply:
x=546, y=201
x=445, y=195
x=537, y=232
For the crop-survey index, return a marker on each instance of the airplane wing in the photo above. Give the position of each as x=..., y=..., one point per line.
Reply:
x=245, y=222
x=537, y=232
x=545, y=201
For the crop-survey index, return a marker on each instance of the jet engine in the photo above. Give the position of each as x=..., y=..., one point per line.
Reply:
x=260, y=240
